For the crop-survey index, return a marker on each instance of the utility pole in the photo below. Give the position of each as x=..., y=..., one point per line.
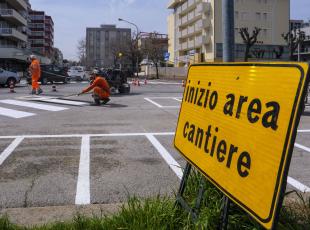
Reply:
x=228, y=34
x=228, y=30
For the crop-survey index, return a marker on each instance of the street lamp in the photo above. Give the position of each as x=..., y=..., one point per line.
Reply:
x=137, y=36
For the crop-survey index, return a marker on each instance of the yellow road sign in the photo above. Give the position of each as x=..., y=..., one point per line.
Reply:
x=237, y=125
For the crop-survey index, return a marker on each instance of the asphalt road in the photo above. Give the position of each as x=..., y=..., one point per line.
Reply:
x=59, y=154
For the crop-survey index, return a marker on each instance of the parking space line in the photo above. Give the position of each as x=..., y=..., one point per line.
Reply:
x=14, y=113
x=304, y=131
x=33, y=105
x=173, y=164
x=177, y=99
x=83, y=187
x=90, y=135
x=301, y=187
x=302, y=147
x=153, y=102
x=7, y=152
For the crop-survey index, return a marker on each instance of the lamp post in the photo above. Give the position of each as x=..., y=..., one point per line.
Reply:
x=137, y=36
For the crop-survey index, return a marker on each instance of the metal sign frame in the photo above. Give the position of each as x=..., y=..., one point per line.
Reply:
x=289, y=146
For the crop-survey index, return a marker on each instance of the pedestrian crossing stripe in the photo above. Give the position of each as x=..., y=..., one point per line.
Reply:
x=14, y=113
x=33, y=105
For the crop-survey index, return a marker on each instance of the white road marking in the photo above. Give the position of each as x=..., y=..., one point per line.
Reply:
x=153, y=102
x=177, y=99
x=83, y=186
x=173, y=164
x=64, y=102
x=301, y=187
x=304, y=131
x=161, y=106
x=90, y=135
x=33, y=105
x=14, y=113
x=7, y=152
x=302, y=147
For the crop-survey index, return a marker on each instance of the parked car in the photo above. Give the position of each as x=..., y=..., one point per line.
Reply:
x=52, y=73
x=116, y=79
x=77, y=73
x=8, y=77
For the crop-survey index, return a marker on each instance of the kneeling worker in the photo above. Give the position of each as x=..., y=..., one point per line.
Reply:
x=101, y=88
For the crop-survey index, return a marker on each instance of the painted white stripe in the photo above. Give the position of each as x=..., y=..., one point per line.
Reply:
x=301, y=187
x=304, y=131
x=91, y=135
x=14, y=113
x=83, y=187
x=65, y=102
x=153, y=102
x=173, y=164
x=177, y=99
x=33, y=105
x=164, y=97
x=302, y=147
x=7, y=152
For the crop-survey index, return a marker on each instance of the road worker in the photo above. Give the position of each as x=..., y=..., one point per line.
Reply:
x=100, y=87
x=35, y=72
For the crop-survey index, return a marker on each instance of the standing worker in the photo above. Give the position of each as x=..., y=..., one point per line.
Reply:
x=101, y=88
x=35, y=71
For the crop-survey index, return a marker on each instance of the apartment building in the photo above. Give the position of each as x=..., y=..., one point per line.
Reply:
x=195, y=28
x=103, y=45
x=13, y=33
x=41, y=37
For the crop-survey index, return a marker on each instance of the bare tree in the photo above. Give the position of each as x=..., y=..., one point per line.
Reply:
x=278, y=52
x=249, y=40
x=153, y=49
x=258, y=53
x=81, y=51
x=293, y=39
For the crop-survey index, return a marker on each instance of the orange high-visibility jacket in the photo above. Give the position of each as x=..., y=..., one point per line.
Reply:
x=99, y=82
x=35, y=69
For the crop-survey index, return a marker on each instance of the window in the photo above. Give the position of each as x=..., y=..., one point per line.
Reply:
x=265, y=33
x=244, y=15
x=258, y=16
x=236, y=15
x=265, y=17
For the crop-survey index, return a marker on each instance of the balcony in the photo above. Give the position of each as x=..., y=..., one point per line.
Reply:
x=188, y=6
x=174, y=3
x=13, y=34
x=203, y=7
x=13, y=16
x=19, y=4
x=191, y=44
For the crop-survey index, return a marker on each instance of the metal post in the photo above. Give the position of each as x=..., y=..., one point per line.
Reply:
x=228, y=56
x=298, y=51
x=228, y=30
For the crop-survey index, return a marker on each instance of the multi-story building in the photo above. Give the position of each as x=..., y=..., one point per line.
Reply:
x=303, y=51
x=42, y=33
x=156, y=40
x=104, y=44
x=195, y=28
x=13, y=33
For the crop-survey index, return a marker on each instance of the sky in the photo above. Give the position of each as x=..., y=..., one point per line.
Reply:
x=71, y=17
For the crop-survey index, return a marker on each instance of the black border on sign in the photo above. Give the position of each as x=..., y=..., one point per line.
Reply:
x=280, y=185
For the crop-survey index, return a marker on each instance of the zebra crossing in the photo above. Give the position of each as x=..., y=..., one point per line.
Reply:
x=35, y=104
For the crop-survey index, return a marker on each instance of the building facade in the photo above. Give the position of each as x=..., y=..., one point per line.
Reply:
x=195, y=28
x=105, y=46
x=41, y=37
x=13, y=33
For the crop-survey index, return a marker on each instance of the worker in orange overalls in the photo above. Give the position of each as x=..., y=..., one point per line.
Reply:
x=35, y=71
x=101, y=89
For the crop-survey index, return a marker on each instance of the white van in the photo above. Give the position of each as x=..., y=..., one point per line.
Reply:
x=77, y=73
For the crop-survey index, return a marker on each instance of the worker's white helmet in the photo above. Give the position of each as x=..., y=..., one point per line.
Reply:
x=32, y=56
x=95, y=72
